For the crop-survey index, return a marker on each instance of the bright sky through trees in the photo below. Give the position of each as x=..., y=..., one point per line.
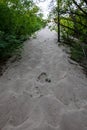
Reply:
x=44, y=6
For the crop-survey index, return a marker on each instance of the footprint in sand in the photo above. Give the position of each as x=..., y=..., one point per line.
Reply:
x=43, y=78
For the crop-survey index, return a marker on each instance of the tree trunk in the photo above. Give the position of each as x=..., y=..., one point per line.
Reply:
x=58, y=22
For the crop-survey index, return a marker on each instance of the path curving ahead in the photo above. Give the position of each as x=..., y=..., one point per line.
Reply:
x=43, y=91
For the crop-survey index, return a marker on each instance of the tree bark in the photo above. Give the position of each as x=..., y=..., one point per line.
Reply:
x=58, y=22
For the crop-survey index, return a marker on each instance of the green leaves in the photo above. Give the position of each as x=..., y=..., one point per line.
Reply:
x=73, y=26
x=18, y=20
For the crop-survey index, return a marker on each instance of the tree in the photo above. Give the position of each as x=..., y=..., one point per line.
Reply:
x=71, y=18
x=21, y=20
x=58, y=3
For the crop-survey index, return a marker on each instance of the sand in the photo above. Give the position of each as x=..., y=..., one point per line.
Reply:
x=44, y=90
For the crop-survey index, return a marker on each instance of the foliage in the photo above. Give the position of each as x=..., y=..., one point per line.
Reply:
x=73, y=25
x=19, y=19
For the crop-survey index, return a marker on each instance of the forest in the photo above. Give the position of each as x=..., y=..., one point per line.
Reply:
x=70, y=16
x=19, y=19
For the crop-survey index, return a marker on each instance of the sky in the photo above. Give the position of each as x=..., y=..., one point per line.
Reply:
x=44, y=6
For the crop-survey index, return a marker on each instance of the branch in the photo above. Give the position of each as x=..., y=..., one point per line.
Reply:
x=85, y=1
x=79, y=7
x=68, y=27
x=76, y=21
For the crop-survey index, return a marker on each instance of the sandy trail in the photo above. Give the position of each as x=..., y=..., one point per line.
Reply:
x=43, y=91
